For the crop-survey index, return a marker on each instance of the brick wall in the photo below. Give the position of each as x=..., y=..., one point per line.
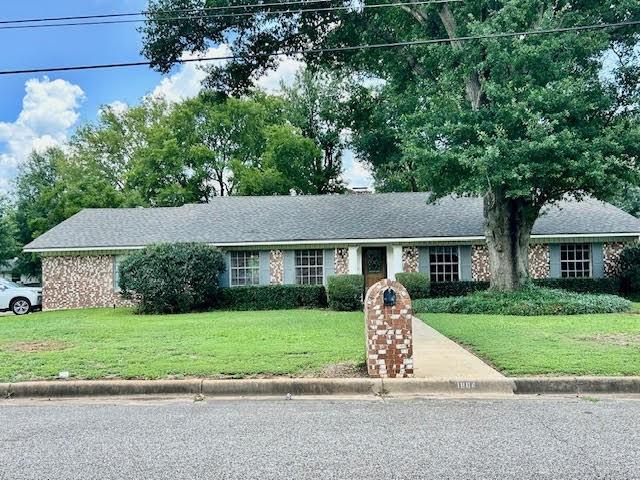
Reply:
x=480, y=263
x=81, y=281
x=611, y=258
x=341, y=261
x=389, y=332
x=276, y=267
x=410, y=259
x=539, y=261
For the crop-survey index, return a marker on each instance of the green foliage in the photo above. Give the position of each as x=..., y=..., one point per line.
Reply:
x=273, y=297
x=630, y=268
x=8, y=245
x=513, y=119
x=172, y=278
x=345, y=292
x=581, y=285
x=456, y=289
x=528, y=300
x=416, y=283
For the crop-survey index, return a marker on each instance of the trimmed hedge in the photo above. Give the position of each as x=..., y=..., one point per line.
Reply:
x=456, y=289
x=581, y=285
x=273, y=297
x=344, y=292
x=416, y=283
x=530, y=300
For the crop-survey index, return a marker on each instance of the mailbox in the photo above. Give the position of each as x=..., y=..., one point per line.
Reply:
x=389, y=297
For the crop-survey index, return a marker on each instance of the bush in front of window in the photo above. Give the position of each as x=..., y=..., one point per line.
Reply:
x=456, y=289
x=416, y=283
x=172, y=278
x=273, y=297
x=530, y=300
x=345, y=292
x=630, y=268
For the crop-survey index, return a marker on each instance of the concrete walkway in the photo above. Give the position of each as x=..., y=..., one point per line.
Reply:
x=435, y=356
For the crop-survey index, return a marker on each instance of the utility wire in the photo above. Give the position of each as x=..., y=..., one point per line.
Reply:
x=312, y=51
x=196, y=13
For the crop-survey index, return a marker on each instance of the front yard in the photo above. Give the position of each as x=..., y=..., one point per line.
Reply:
x=107, y=343
x=604, y=344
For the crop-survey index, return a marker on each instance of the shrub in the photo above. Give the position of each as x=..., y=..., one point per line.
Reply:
x=630, y=268
x=581, y=285
x=456, y=289
x=345, y=292
x=529, y=300
x=416, y=283
x=273, y=297
x=172, y=278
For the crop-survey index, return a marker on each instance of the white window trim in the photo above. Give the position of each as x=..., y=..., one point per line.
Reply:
x=590, y=249
x=457, y=247
x=232, y=268
x=297, y=267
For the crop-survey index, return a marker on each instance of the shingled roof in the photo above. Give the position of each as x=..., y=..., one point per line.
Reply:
x=328, y=218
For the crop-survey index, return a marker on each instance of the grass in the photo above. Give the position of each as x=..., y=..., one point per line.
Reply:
x=107, y=343
x=597, y=344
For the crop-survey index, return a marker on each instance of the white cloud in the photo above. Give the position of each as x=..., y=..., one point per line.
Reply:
x=187, y=82
x=284, y=74
x=355, y=173
x=49, y=111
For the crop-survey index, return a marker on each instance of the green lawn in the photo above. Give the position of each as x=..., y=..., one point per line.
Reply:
x=107, y=343
x=605, y=344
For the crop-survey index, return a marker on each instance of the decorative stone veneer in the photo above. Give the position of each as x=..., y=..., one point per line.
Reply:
x=539, y=261
x=276, y=267
x=389, y=332
x=82, y=281
x=611, y=258
x=341, y=263
x=480, y=263
x=410, y=259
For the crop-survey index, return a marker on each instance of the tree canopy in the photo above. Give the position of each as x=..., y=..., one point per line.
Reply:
x=523, y=120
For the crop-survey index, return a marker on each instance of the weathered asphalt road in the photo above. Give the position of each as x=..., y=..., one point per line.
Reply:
x=345, y=439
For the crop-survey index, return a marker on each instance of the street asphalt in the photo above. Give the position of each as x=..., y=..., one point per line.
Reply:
x=444, y=438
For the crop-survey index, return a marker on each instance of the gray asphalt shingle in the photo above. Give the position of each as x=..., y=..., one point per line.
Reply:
x=290, y=218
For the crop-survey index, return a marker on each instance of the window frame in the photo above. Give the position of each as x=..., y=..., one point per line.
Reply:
x=455, y=275
x=566, y=262
x=251, y=272
x=117, y=259
x=298, y=262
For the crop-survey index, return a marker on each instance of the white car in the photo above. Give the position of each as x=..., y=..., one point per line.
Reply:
x=18, y=299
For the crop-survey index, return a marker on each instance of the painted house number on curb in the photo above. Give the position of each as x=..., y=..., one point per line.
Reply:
x=467, y=385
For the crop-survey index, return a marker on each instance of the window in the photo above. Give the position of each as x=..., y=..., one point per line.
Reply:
x=117, y=260
x=245, y=268
x=444, y=264
x=309, y=267
x=575, y=260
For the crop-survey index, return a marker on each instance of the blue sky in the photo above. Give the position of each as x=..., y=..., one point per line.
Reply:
x=37, y=110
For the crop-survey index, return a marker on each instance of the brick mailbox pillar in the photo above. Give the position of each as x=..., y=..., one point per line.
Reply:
x=389, y=331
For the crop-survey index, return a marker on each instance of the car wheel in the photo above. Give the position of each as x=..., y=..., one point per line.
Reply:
x=21, y=306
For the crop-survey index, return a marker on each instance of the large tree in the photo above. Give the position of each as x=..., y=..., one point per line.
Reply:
x=8, y=245
x=522, y=121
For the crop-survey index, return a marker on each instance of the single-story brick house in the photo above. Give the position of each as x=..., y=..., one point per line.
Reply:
x=305, y=239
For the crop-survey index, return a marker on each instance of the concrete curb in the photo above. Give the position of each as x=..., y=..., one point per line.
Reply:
x=576, y=385
x=322, y=386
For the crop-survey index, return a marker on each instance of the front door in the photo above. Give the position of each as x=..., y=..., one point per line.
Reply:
x=374, y=265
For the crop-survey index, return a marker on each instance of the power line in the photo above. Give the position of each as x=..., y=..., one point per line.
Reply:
x=313, y=51
x=225, y=15
x=195, y=11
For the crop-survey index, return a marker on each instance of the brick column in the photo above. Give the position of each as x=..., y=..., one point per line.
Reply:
x=389, y=332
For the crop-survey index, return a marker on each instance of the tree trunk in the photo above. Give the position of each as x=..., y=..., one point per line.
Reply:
x=508, y=223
